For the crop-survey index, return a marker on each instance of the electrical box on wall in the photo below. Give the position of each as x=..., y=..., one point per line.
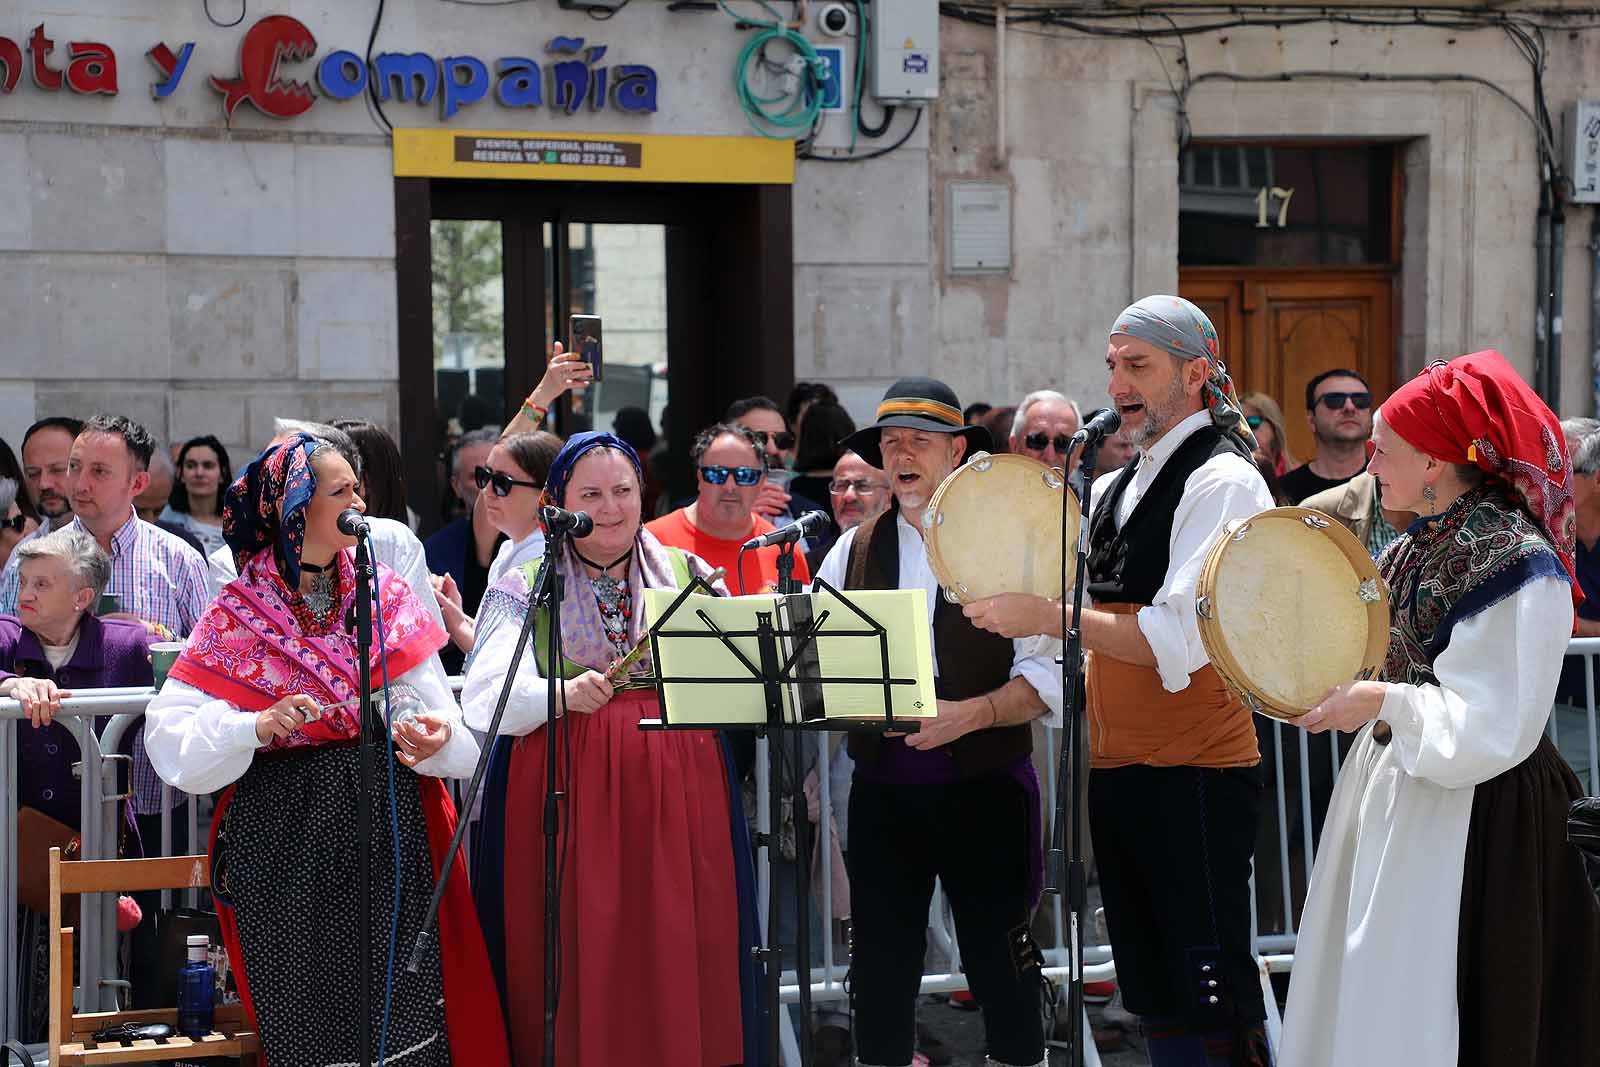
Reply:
x=977, y=225
x=1582, y=150
x=905, y=50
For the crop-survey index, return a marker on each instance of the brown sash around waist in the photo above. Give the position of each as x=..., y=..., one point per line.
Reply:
x=1132, y=719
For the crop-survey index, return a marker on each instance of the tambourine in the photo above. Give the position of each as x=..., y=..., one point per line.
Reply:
x=1290, y=604
x=994, y=526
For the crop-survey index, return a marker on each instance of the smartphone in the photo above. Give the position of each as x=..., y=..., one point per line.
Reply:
x=583, y=331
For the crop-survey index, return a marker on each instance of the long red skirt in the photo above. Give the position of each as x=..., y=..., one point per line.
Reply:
x=649, y=906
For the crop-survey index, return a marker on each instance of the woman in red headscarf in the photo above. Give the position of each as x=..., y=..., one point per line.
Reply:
x=259, y=701
x=1448, y=920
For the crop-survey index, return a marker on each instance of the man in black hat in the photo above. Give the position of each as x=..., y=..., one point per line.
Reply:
x=959, y=800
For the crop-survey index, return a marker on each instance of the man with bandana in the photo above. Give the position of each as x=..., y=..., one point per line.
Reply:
x=1174, y=784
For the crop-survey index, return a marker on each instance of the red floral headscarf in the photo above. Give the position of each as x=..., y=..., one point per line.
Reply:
x=1477, y=409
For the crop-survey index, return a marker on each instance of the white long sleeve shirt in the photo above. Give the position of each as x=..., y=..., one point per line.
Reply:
x=1221, y=489
x=199, y=743
x=1375, y=965
x=1033, y=658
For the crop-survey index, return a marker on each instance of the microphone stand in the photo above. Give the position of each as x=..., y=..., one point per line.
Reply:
x=548, y=595
x=1065, y=870
x=363, y=626
x=802, y=848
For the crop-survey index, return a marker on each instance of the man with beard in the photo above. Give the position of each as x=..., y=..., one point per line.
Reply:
x=46, y=453
x=1174, y=782
x=959, y=800
x=1339, y=412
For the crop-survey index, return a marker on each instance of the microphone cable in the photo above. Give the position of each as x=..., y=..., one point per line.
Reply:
x=394, y=813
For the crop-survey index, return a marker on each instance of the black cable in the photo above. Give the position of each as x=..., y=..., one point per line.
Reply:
x=205, y=5
x=881, y=128
x=372, y=80
x=916, y=121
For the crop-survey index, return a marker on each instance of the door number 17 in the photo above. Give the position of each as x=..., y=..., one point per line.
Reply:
x=1264, y=198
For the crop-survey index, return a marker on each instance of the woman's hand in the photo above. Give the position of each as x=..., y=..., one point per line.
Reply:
x=588, y=692
x=39, y=697
x=421, y=737
x=1348, y=706
x=285, y=717
x=565, y=370
x=445, y=592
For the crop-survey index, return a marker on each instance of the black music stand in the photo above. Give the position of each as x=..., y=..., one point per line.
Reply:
x=773, y=673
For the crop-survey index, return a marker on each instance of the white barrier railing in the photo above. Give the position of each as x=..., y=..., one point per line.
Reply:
x=99, y=983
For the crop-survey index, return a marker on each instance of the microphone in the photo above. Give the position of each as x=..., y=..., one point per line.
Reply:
x=559, y=520
x=1100, y=425
x=812, y=522
x=352, y=523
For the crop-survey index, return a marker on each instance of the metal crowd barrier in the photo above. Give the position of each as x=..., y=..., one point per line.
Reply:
x=100, y=985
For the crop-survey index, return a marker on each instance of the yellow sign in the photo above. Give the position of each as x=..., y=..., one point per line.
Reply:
x=519, y=156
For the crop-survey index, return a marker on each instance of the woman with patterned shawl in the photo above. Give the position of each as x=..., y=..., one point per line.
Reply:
x=261, y=701
x=655, y=914
x=1448, y=920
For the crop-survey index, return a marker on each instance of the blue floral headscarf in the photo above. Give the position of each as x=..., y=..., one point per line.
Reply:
x=265, y=507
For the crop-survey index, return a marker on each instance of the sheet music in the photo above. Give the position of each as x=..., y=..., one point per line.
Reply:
x=902, y=612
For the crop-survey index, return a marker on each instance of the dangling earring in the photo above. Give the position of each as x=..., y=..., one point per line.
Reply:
x=1429, y=496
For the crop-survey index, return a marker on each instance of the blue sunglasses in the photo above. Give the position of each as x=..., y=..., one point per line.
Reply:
x=741, y=475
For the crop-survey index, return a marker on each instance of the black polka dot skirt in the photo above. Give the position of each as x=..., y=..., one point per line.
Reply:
x=286, y=858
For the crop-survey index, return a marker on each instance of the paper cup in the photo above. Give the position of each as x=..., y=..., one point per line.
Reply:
x=163, y=654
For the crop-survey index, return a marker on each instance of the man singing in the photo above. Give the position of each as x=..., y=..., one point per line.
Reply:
x=959, y=800
x=1174, y=783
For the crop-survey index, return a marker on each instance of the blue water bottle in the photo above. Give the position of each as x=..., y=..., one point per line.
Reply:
x=197, y=989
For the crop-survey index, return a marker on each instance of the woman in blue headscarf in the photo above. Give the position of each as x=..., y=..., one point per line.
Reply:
x=652, y=862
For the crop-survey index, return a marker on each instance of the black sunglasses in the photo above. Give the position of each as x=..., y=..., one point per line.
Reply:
x=1335, y=401
x=502, y=483
x=15, y=522
x=741, y=475
x=1038, y=442
x=782, y=441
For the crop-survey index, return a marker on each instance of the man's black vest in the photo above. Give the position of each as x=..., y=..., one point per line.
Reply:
x=972, y=661
x=1129, y=566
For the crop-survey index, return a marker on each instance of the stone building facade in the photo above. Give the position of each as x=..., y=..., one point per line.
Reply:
x=205, y=273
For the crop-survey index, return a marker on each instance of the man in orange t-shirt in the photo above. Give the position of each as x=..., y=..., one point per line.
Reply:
x=730, y=466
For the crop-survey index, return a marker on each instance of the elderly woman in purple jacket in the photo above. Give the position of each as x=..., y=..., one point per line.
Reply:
x=53, y=646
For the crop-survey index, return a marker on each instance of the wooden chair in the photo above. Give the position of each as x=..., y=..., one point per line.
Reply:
x=71, y=1033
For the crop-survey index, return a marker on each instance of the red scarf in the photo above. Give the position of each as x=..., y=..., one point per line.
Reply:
x=250, y=650
x=1476, y=409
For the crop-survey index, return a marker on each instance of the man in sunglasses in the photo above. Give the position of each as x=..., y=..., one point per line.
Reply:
x=1043, y=427
x=730, y=468
x=762, y=417
x=1339, y=412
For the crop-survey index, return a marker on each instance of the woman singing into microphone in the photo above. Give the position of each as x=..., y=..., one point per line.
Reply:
x=654, y=857
x=261, y=700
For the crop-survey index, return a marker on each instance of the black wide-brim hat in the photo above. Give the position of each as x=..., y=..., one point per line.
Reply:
x=919, y=404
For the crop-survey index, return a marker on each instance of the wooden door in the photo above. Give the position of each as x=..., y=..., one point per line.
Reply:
x=1278, y=329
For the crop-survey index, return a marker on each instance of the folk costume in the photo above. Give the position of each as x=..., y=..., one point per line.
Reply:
x=282, y=838
x=1174, y=780
x=1448, y=921
x=967, y=812
x=657, y=887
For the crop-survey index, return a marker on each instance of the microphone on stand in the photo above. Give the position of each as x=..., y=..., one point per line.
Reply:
x=352, y=523
x=1100, y=425
x=573, y=523
x=810, y=524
